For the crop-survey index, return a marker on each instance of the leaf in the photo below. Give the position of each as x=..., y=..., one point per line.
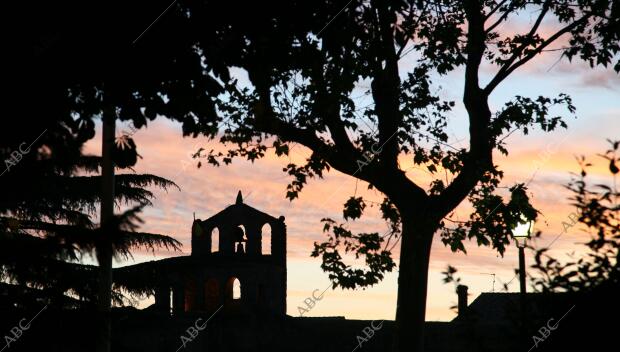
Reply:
x=612, y=167
x=353, y=208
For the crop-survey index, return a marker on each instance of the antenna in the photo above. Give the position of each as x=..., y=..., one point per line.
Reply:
x=493, y=274
x=194, y=215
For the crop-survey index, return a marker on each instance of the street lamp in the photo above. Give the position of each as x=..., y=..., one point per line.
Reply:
x=521, y=233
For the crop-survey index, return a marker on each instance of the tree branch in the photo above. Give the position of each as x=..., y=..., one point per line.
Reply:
x=501, y=18
x=385, y=91
x=495, y=9
x=506, y=70
x=410, y=37
x=479, y=158
x=328, y=106
x=341, y=158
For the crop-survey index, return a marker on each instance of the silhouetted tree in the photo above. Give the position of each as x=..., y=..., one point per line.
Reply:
x=306, y=63
x=588, y=280
x=46, y=227
x=77, y=63
x=304, y=60
x=597, y=211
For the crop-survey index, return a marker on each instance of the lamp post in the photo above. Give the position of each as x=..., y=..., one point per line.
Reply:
x=521, y=233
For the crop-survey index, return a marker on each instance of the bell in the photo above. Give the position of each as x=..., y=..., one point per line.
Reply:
x=240, y=248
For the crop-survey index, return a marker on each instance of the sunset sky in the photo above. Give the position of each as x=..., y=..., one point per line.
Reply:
x=207, y=190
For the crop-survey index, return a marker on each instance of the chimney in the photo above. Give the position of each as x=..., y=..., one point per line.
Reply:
x=461, y=291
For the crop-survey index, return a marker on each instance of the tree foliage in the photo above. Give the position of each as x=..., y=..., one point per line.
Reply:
x=598, y=217
x=304, y=87
x=47, y=228
x=332, y=78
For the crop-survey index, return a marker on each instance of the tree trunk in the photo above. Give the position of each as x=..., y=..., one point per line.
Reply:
x=415, y=252
x=104, y=247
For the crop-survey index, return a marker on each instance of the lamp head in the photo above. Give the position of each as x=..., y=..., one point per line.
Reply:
x=522, y=231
